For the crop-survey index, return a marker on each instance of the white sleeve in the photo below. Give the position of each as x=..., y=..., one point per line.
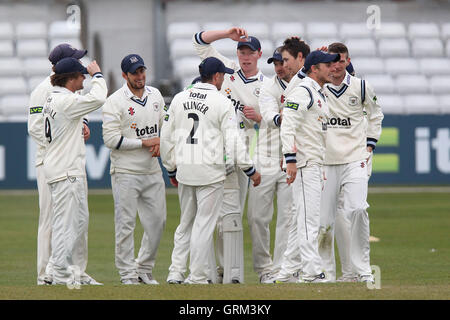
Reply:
x=205, y=50
x=298, y=102
x=269, y=108
x=36, y=120
x=77, y=105
x=374, y=114
x=167, y=144
x=112, y=135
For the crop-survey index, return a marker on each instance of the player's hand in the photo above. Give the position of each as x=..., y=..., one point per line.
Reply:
x=256, y=178
x=237, y=34
x=174, y=182
x=155, y=150
x=93, y=68
x=250, y=113
x=323, y=48
x=291, y=171
x=148, y=143
x=86, y=132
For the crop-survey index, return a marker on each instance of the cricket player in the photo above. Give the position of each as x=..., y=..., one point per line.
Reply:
x=36, y=130
x=132, y=120
x=199, y=125
x=242, y=87
x=303, y=134
x=350, y=145
x=64, y=161
x=267, y=159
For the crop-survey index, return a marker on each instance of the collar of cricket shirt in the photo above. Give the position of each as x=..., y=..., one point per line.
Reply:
x=340, y=89
x=283, y=83
x=58, y=89
x=313, y=83
x=130, y=95
x=259, y=76
x=204, y=86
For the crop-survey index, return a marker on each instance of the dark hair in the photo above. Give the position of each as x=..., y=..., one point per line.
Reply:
x=60, y=80
x=294, y=46
x=338, y=47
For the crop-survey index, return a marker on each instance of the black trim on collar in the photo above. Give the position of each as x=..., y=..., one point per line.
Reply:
x=283, y=86
x=141, y=102
x=244, y=79
x=339, y=92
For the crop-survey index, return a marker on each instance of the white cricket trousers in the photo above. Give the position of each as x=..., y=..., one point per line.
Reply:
x=345, y=193
x=307, y=192
x=145, y=195
x=44, y=237
x=200, y=209
x=69, y=228
x=260, y=214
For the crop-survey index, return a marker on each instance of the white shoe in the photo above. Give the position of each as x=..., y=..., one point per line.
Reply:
x=175, y=278
x=130, y=281
x=88, y=280
x=366, y=278
x=347, y=279
x=266, y=278
x=190, y=281
x=320, y=278
x=147, y=278
x=292, y=278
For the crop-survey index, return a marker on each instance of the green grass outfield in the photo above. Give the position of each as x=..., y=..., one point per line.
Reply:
x=413, y=255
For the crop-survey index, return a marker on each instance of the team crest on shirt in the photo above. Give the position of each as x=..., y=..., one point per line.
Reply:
x=256, y=92
x=353, y=101
x=131, y=111
x=156, y=106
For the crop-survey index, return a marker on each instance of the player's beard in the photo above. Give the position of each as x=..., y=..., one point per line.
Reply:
x=137, y=86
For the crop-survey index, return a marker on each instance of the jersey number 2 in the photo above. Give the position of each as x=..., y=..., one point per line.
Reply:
x=191, y=139
x=48, y=130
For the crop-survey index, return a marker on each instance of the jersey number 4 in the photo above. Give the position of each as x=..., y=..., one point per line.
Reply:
x=191, y=139
x=48, y=130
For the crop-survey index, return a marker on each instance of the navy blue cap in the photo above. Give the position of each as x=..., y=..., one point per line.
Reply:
x=68, y=65
x=65, y=50
x=350, y=69
x=318, y=56
x=131, y=63
x=196, y=80
x=276, y=56
x=211, y=65
x=250, y=42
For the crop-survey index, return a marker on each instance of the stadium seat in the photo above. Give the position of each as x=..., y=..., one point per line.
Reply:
x=391, y=103
x=187, y=67
x=396, y=66
x=31, y=30
x=393, y=48
x=34, y=81
x=63, y=29
x=447, y=49
x=283, y=30
x=390, y=30
x=6, y=31
x=365, y=66
x=74, y=42
x=216, y=26
x=440, y=84
x=361, y=47
x=410, y=84
x=15, y=105
x=227, y=47
x=259, y=30
x=37, y=67
x=382, y=83
x=321, y=30
x=444, y=102
x=421, y=104
x=423, y=30
x=354, y=30
x=11, y=67
x=434, y=66
x=267, y=48
x=445, y=31
x=6, y=48
x=181, y=30
x=181, y=47
x=32, y=48
x=13, y=85
x=320, y=42
x=427, y=48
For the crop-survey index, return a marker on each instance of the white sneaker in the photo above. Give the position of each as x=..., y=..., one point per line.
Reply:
x=130, y=281
x=88, y=280
x=266, y=278
x=366, y=278
x=292, y=278
x=175, y=278
x=347, y=279
x=320, y=278
x=147, y=278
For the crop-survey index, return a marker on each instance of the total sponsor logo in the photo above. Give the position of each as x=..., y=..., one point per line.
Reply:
x=236, y=103
x=339, y=123
x=140, y=132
